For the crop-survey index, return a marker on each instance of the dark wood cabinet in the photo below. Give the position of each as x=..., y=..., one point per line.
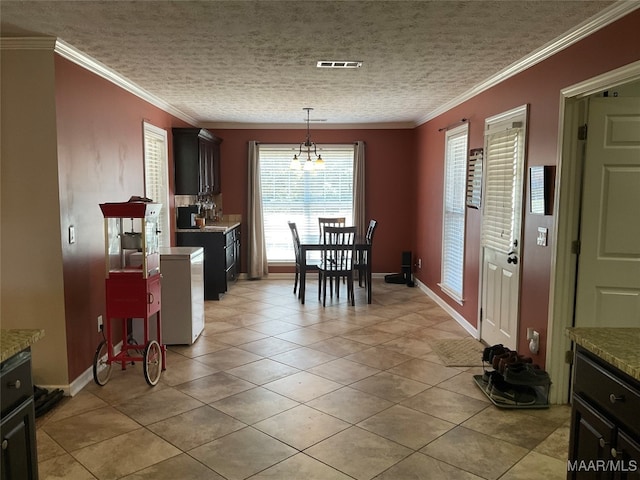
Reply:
x=17, y=428
x=605, y=425
x=221, y=258
x=196, y=154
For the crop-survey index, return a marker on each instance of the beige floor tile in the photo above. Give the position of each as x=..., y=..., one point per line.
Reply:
x=379, y=357
x=301, y=426
x=394, y=388
x=300, y=466
x=267, y=347
x=180, y=467
x=450, y=406
x=303, y=386
x=423, y=467
x=511, y=425
x=339, y=346
x=303, y=357
x=195, y=427
x=463, y=383
x=273, y=327
x=349, y=404
x=238, y=336
x=397, y=326
x=413, y=347
x=63, y=467
x=202, y=346
x=228, y=358
x=262, y=371
x=254, y=405
x=83, y=401
x=406, y=426
x=215, y=387
x=183, y=371
x=557, y=444
x=89, y=428
x=370, y=336
x=242, y=453
x=112, y=459
x=47, y=446
x=535, y=466
x=123, y=385
x=475, y=452
x=158, y=406
x=358, y=453
x=304, y=336
x=343, y=371
x=425, y=372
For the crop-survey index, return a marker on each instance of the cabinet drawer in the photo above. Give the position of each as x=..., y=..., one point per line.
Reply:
x=617, y=398
x=16, y=381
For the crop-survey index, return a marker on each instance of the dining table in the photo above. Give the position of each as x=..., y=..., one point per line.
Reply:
x=314, y=243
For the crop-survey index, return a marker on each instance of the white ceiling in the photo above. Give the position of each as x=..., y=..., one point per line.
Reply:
x=224, y=63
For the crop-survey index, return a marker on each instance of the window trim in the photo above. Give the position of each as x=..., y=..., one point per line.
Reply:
x=454, y=166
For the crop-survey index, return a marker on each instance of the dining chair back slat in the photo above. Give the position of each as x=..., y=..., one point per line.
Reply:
x=330, y=222
x=337, y=261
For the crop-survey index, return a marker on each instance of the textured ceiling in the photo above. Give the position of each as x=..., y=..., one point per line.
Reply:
x=224, y=62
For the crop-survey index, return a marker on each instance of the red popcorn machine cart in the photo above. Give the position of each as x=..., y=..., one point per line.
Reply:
x=132, y=288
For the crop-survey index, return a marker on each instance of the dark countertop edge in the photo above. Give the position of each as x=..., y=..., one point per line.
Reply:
x=618, y=346
x=228, y=226
x=14, y=340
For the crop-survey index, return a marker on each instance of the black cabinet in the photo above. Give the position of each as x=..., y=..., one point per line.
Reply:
x=605, y=425
x=196, y=154
x=221, y=258
x=17, y=428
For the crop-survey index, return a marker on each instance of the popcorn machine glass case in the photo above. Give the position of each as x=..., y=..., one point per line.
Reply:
x=132, y=287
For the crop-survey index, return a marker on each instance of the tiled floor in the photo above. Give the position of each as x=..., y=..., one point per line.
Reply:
x=275, y=389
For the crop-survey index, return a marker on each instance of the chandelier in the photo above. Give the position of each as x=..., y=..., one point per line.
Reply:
x=307, y=148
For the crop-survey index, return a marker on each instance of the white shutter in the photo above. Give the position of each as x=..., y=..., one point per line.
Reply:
x=503, y=153
x=156, y=176
x=453, y=218
x=302, y=196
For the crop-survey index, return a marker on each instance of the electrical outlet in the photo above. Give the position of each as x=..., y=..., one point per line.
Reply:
x=100, y=325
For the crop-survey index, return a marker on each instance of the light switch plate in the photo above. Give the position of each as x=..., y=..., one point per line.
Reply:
x=72, y=234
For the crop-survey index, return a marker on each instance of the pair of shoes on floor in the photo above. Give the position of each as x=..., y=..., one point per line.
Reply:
x=44, y=400
x=490, y=352
x=526, y=374
x=511, y=358
x=506, y=393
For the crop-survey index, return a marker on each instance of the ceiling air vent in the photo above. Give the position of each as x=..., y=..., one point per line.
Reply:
x=338, y=64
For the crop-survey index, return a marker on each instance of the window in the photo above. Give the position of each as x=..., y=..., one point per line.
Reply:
x=504, y=147
x=453, y=217
x=156, y=177
x=302, y=196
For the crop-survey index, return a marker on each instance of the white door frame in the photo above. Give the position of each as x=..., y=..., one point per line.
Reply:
x=567, y=211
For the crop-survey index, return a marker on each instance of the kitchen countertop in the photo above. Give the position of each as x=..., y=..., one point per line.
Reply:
x=221, y=227
x=618, y=346
x=13, y=341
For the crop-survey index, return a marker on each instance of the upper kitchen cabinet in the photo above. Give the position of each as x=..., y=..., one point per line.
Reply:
x=196, y=155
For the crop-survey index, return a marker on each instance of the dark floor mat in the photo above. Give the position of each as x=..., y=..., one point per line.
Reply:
x=44, y=400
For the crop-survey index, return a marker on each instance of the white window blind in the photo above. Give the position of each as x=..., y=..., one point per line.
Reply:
x=156, y=176
x=504, y=153
x=453, y=218
x=302, y=196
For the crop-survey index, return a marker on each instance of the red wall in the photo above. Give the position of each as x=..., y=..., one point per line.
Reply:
x=100, y=159
x=539, y=86
x=390, y=163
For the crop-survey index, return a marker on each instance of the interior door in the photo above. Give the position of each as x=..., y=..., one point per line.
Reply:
x=608, y=283
x=501, y=227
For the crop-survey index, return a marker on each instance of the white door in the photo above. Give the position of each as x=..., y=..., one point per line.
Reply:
x=501, y=226
x=608, y=284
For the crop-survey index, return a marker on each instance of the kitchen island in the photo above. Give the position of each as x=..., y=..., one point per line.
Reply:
x=18, y=431
x=605, y=425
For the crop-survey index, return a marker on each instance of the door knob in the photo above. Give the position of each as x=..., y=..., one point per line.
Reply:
x=512, y=259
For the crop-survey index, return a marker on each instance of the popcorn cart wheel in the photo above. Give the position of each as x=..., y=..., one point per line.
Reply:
x=132, y=290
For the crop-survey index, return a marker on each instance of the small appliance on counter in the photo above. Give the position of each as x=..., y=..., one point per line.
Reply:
x=187, y=216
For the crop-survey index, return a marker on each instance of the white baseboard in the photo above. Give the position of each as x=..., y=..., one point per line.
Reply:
x=473, y=331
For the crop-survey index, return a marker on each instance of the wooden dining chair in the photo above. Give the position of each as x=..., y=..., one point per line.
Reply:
x=300, y=262
x=330, y=222
x=337, y=262
x=363, y=261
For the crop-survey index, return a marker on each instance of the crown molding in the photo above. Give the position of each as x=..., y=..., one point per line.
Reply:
x=607, y=16
x=298, y=126
x=85, y=61
x=27, y=43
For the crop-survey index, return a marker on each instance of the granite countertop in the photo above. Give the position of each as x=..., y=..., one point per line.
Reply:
x=13, y=341
x=222, y=227
x=618, y=346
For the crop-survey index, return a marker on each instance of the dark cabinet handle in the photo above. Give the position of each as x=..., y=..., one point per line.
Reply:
x=17, y=384
x=614, y=453
x=603, y=442
x=5, y=444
